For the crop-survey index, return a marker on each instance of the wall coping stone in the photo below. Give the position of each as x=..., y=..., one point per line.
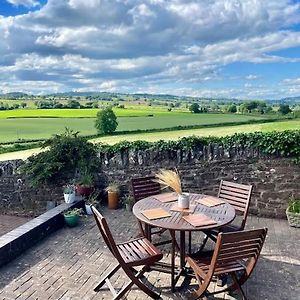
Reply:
x=23, y=237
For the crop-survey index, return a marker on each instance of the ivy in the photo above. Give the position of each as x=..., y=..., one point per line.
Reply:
x=284, y=143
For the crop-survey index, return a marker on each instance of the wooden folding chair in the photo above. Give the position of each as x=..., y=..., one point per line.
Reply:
x=143, y=187
x=235, y=254
x=239, y=196
x=137, y=252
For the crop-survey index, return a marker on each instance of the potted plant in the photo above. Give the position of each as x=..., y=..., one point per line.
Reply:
x=69, y=193
x=293, y=212
x=86, y=185
x=72, y=216
x=129, y=202
x=113, y=195
x=171, y=179
x=92, y=199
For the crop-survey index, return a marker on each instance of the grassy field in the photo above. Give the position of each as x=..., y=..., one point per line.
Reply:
x=173, y=135
x=42, y=128
x=218, y=131
x=86, y=113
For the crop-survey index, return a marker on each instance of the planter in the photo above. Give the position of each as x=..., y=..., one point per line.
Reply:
x=71, y=220
x=128, y=207
x=113, y=199
x=84, y=190
x=293, y=218
x=88, y=209
x=184, y=200
x=69, y=198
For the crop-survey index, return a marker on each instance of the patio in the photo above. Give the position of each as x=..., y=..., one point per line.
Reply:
x=67, y=264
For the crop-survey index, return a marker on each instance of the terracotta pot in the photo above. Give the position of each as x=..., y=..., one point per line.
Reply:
x=84, y=190
x=113, y=199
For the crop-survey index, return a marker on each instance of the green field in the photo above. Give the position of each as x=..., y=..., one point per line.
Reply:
x=173, y=135
x=217, y=131
x=42, y=128
x=85, y=113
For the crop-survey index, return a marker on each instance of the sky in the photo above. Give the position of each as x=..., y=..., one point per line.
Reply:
x=247, y=49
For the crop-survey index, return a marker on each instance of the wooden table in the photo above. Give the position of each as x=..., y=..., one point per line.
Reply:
x=223, y=214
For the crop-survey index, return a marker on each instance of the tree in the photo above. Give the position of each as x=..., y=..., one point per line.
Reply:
x=106, y=121
x=73, y=104
x=194, y=108
x=232, y=108
x=284, y=109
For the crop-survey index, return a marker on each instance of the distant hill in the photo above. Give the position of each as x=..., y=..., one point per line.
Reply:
x=291, y=99
x=163, y=97
x=13, y=95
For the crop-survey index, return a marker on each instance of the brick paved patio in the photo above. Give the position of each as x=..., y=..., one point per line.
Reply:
x=67, y=264
x=8, y=223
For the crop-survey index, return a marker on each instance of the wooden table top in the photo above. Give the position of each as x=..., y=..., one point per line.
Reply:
x=223, y=214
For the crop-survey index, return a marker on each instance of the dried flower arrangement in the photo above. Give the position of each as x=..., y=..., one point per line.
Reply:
x=169, y=178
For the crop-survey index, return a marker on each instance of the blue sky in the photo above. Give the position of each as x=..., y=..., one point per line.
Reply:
x=245, y=49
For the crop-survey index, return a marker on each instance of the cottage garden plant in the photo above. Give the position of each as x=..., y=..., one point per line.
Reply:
x=293, y=212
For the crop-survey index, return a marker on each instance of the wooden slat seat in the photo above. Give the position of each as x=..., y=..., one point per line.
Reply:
x=235, y=254
x=137, y=252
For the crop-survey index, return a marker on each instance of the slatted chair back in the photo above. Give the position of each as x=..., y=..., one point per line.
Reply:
x=238, y=195
x=106, y=233
x=143, y=187
x=239, y=246
x=235, y=254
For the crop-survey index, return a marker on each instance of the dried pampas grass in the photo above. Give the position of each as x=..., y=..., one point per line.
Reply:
x=169, y=178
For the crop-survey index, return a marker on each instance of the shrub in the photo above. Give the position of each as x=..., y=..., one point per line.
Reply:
x=64, y=156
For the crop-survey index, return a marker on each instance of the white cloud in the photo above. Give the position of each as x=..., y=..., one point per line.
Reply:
x=132, y=45
x=26, y=3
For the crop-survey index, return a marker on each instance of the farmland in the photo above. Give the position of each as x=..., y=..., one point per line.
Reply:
x=17, y=125
x=173, y=135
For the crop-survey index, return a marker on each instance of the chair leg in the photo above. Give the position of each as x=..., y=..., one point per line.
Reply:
x=141, y=285
x=105, y=277
x=238, y=286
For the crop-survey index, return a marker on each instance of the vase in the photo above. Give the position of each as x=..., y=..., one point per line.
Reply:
x=293, y=218
x=71, y=220
x=88, y=209
x=113, y=199
x=184, y=200
x=69, y=198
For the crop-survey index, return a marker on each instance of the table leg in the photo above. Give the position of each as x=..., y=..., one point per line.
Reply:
x=148, y=231
x=182, y=249
x=190, y=242
x=172, y=232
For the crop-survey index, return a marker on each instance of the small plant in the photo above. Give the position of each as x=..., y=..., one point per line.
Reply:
x=169, y=178
x=86, y=180
x=293, y=212
x=128, y=200
x=69, y=189
x=294, y=206
x=74, y=212
x=113, y=187
x=92, y=199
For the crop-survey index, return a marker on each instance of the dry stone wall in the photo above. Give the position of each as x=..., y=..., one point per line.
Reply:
x=275, y=179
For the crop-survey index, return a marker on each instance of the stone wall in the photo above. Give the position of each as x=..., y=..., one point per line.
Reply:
x=17, y=197
x=274, y=179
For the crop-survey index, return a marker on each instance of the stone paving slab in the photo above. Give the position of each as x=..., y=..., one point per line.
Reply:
x=8, y=223
x=69, y=263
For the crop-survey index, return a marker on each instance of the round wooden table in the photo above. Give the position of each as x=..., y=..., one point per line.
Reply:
x=223, y=214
